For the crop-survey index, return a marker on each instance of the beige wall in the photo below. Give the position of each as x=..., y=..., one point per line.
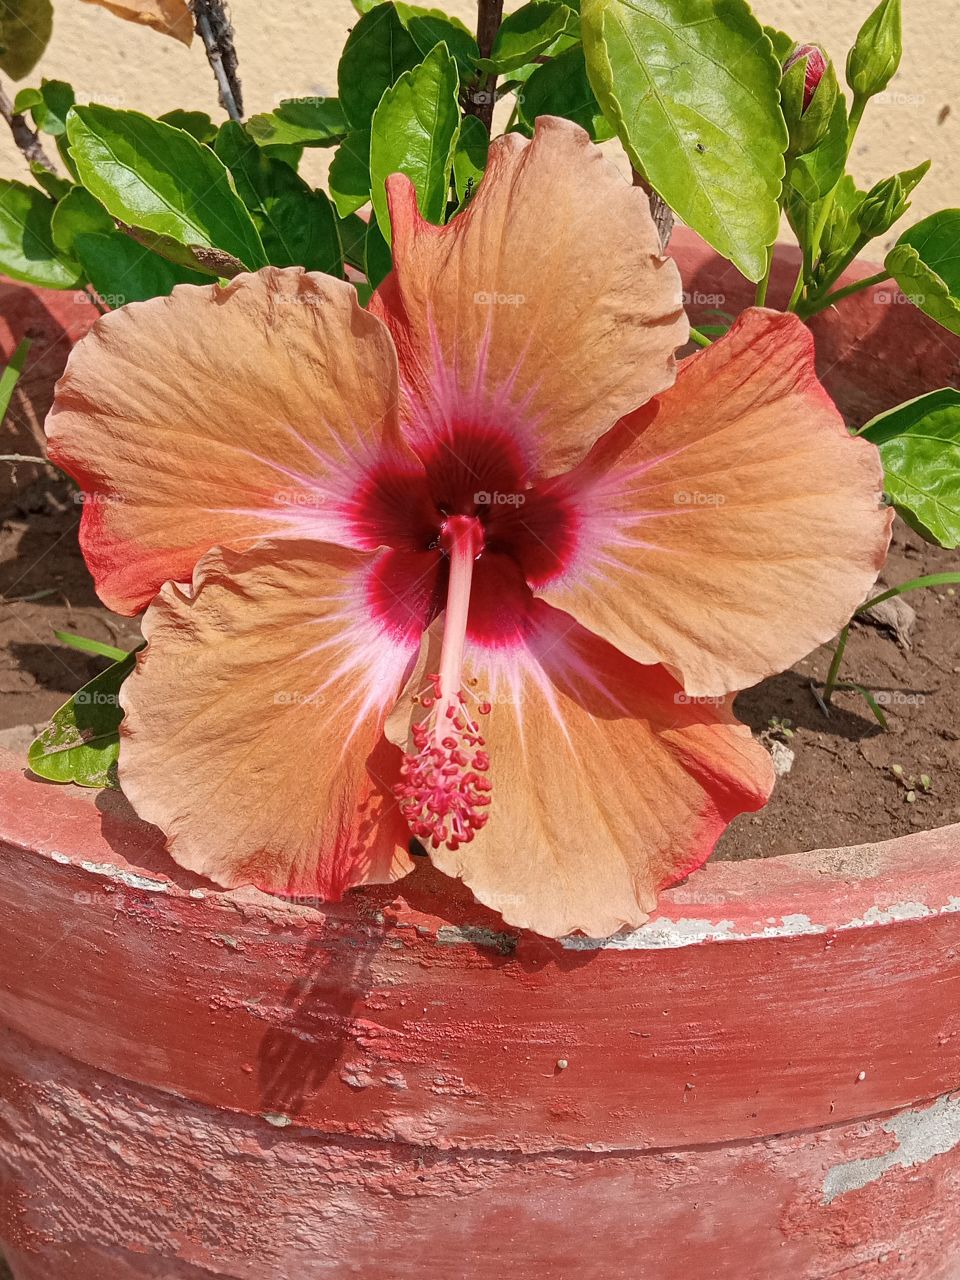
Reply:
x=290, y=47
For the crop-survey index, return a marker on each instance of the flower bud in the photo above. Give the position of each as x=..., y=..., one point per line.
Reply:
x=888, y=201
x=875, y=56
x=814, y=64
x=882, y=206
x=808, y=94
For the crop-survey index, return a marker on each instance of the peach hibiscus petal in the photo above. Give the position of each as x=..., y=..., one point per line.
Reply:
x=544, y=309
x=220, y=415
x=607, y=781
x=171, y=17
x=733, y=526
x=252, y=732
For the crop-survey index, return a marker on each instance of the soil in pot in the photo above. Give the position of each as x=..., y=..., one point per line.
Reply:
x=841, y=788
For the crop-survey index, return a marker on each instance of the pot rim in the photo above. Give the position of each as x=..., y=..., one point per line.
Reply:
x=854, y=887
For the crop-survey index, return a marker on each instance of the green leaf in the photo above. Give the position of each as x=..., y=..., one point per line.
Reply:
x=120, y=269
x=693, y=89
x=27, y=250
x=925, y=262
x=430, y=27
x=560, y=88
x=63, y=151
x=378, y=261
x=919, y=444
x=297, y=225
x=470, y=157
x=302, y=122
x=378, y=51
x=349, y=177
x=197, y=123
x=82, y=741
x=928, y=580
x=353, y=234
x=85, y=645
x=25, y=99
x=291, y=153
x=52, y=183
x=56, y=97
x=78, y=212
x=160, y=179
x=529, y=32
x=783, y=45
x=414, y=131
x=25, y=29
x=11, y=375
x=364, y=6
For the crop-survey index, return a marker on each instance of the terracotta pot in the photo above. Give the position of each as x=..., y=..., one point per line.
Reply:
x=757, y=1084
x=197, y=1083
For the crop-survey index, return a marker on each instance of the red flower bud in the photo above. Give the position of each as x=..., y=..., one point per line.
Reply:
x=816, y=64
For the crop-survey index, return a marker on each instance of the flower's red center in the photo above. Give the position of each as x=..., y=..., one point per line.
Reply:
x=526, y=535
x=444, y=793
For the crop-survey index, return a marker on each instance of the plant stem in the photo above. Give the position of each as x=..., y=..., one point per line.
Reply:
x=764, y=284
x=814, y=306
x=826, y=207
x=699, y=338
x=831, y=681
x=27, y=139
x=927, y=580
x=480, y=97
x=216, y=31
x=857, y=108
x=797, y=290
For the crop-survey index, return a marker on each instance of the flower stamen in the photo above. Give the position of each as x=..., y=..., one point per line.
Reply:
x=444, y=793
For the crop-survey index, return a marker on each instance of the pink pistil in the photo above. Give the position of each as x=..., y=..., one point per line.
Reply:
x=444, y=794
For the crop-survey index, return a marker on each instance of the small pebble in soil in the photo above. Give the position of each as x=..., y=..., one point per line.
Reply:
x=562, y=1064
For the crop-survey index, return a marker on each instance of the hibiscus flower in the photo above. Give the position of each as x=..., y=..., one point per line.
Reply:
x=478, y=566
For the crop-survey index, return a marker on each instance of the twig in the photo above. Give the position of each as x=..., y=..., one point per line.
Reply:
x=481, y=97
x=660, y=211
x=216, y=31
x=27, y=139
x=25, y=457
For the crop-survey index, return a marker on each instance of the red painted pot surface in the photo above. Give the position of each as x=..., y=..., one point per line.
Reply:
x=193, y=1083
x=760, y=1083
